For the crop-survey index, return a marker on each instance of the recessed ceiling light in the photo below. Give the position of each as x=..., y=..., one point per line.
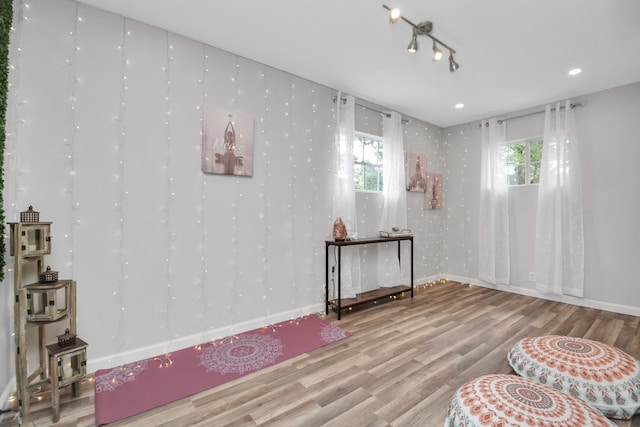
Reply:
x=575, y=71
x=459, y=106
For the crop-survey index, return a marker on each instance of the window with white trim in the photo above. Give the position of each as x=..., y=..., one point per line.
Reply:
x=367, y=162
x=523, y=161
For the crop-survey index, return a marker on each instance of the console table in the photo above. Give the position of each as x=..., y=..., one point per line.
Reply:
x=364, y=241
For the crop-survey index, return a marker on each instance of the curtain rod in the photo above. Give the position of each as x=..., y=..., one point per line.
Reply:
x=572, y=106
x=384, y=113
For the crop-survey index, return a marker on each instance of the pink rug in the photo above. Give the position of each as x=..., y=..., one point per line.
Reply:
x=140, y=386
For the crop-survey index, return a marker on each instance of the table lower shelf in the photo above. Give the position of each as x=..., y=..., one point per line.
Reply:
x=369, y=297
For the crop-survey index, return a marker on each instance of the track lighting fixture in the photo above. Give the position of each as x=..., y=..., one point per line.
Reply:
x=423, y=29
x=453, y=65
x=437, y=53
x=394, y=15
x=413, y=45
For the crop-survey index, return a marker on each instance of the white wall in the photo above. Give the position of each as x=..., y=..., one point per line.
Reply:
x=609, y=136
x=104, y=133
x=104, y=140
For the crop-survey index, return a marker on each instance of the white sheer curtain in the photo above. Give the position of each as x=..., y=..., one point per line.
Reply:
x=394, y=210
x=559, y=226
x=344, y=194
x=494, y=205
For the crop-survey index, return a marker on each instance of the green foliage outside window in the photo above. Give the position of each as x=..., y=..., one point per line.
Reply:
x=367, y=163
x=523, y=161
x=6, y=17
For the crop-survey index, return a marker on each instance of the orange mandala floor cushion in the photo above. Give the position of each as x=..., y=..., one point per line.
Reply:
x=510, y=400
x=604, y=376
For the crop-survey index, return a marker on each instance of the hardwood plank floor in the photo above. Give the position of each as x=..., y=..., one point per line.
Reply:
x=400, y=368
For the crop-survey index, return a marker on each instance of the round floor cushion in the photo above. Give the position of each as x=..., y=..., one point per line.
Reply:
x=604, y=376
x=510, y=400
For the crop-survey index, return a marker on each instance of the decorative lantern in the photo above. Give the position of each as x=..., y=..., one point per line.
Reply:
x=47, y=302
x=66, y=339
x=30, y=215
x=33, y=239
x=48, y=276
x=67, y=365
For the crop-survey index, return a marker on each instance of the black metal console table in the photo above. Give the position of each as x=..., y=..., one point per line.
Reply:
x=364, y=241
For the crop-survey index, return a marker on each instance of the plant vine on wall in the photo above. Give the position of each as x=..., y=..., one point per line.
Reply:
x=6, y=18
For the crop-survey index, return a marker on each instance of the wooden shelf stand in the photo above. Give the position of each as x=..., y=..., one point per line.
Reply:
x=37, y=305
x=339, y=303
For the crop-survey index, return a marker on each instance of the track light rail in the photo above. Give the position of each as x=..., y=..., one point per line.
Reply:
x=424, y=29
x=421, y=30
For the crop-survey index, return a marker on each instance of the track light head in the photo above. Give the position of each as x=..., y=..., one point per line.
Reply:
x=413, y=45
x=424, y=28
x=437, y=53
x=453, y=65
x=394, y=15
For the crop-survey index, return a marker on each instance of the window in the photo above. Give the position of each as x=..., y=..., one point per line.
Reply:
x=523, y=161
x=367, y=159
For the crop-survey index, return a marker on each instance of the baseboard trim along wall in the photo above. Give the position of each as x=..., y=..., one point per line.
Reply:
x=583, y=302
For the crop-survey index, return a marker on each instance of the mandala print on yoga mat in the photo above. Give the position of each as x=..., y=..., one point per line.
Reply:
x=246, y=353
x=117, y=376
x=137, y=387
x=332, y=333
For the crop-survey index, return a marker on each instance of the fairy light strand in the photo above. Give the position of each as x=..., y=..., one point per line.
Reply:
x=166, y=324
x=236, y=285
x=288, y=137
x=313, y=184
x=203, y=191
x=467, y=212
x=120, y=179
x=264, y=216
x=70, y=139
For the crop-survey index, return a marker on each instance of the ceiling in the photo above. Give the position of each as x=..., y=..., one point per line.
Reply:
x=513, y=55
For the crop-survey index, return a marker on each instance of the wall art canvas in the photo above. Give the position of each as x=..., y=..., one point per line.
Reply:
x=227, y=143
x=433, y=195
x=416, y=167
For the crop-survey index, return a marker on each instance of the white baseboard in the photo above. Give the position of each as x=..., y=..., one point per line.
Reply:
x=7, y=393
x=118, y=359
x=600, y=305
x=428, y=279
x=114, y=360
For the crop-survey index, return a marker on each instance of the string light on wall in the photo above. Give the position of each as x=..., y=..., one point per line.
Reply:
x=167, y=221
x=233, y=284
x=264, y=215
x=289, y=112
x=72, y=134
x=423, y=29
x=119, y=178
x=201, y=219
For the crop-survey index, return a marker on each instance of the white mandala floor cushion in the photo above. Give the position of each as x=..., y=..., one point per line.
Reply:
x=604, y=376
x=510, y=400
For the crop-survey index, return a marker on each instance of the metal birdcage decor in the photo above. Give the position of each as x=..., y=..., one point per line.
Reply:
x=30, y=215
x=67, y=339
x=48, y=276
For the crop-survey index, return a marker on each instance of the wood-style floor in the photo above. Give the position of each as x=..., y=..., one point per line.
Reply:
x=400, y=368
